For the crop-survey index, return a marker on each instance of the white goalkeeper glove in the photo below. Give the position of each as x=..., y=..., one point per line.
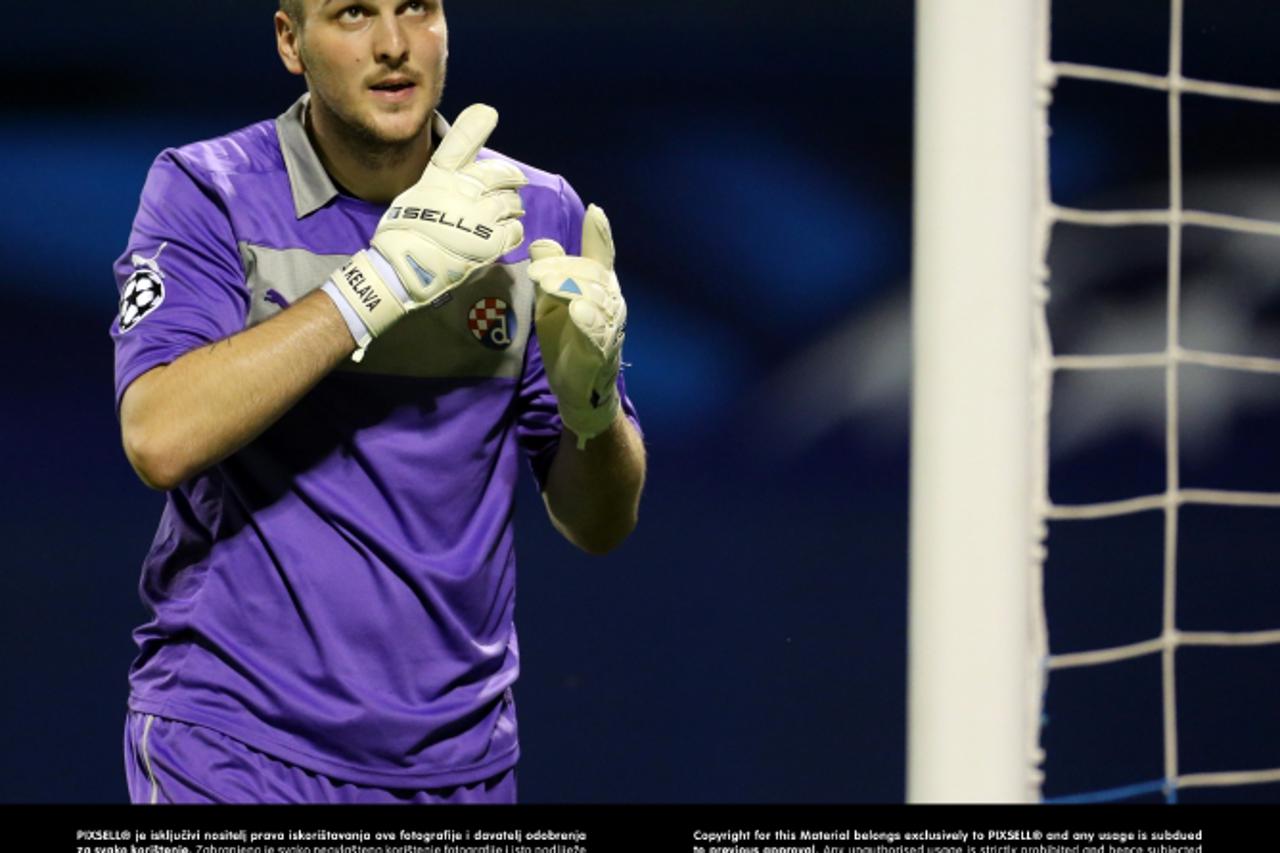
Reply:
x=581, y=319
x=461, y=215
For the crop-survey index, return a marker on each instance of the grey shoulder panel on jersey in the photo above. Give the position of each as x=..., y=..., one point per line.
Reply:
x=479, y=330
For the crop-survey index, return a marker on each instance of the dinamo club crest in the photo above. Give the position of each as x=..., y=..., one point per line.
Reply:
x=492, y=322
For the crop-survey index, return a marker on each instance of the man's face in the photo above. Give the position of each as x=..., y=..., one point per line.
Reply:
x=377, y=66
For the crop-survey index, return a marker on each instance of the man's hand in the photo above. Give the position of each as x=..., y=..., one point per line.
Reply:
x=461, y=215
x=581, y=319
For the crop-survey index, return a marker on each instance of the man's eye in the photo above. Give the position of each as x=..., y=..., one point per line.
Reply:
x=351, y=13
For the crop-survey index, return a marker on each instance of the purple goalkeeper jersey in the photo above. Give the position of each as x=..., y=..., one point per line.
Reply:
x=340, y=592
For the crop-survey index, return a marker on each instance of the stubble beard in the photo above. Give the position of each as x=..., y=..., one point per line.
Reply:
x=363, y=141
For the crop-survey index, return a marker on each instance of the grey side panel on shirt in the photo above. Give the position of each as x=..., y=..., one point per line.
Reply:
x=278, y=278
x=432, y=342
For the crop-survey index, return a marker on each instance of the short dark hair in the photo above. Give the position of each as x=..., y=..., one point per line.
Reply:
x=294, y=9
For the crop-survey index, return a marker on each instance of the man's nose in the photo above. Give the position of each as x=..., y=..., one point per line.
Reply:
x=390, y=45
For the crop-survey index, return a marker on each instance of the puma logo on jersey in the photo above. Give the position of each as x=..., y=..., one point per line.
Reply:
x=152, y=263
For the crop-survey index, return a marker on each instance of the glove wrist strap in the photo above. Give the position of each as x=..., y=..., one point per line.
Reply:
x=359, y=331
x=369, y=296
x=587, y=423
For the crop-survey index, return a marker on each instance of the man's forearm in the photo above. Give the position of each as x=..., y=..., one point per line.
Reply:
x=593, y=494
x=180, y=418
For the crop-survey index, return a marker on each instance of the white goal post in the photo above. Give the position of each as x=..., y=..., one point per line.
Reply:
x=971, y=679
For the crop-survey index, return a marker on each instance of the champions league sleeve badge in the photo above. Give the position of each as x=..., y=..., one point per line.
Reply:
x=492, y=322
x=143, y=292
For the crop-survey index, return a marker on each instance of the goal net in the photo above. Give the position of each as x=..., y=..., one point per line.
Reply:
x=993, y=249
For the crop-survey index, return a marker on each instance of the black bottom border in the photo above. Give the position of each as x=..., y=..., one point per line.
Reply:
x=1191, y=828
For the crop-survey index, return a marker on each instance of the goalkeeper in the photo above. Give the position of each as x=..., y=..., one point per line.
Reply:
x=340, y=333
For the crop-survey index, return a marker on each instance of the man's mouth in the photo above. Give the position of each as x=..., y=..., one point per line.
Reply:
x=394, y=90
x=395, y=84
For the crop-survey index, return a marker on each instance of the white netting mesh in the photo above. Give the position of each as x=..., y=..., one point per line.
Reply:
x=1174, y=356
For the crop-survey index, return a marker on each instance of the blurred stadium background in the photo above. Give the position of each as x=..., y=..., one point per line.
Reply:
x=748, y=644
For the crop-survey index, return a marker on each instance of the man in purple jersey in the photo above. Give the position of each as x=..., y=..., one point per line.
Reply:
x=339, y=333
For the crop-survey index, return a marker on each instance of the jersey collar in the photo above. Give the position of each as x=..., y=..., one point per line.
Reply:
x=311, y=185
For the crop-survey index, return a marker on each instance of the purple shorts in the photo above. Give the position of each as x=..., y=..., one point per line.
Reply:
x=168, y=761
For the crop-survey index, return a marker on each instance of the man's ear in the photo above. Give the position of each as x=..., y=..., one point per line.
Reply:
x=287, y=43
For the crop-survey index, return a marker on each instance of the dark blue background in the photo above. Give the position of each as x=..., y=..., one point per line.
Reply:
x=748, y=643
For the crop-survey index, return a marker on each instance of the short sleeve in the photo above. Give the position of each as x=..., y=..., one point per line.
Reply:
x=538, y=426
x=180, y=279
